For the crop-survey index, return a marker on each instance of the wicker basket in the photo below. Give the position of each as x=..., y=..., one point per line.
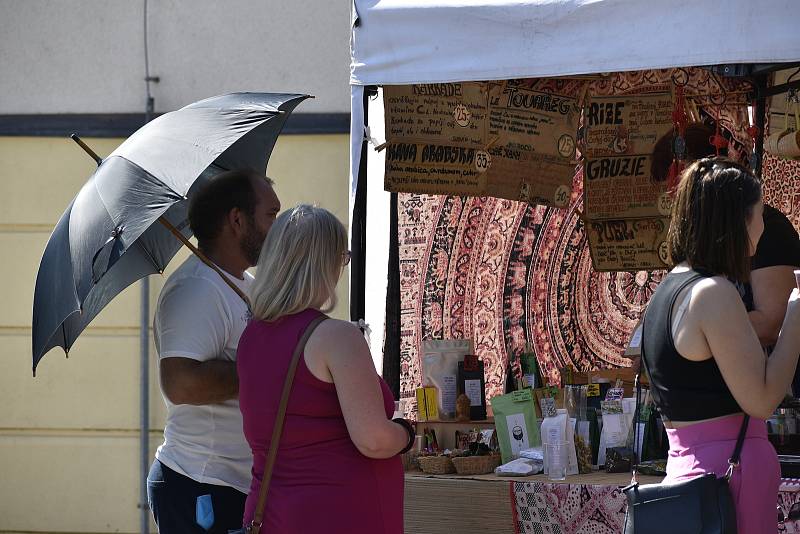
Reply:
x=436, y=465
x=476, y=465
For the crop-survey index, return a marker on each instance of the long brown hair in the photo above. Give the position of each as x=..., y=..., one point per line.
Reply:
x=713, y=203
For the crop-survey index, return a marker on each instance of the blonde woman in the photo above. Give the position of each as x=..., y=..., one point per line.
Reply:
x=337, y=467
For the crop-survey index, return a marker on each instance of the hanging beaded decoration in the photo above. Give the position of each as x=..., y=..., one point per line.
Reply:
x=679, y=120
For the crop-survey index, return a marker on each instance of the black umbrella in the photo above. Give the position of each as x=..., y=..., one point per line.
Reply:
x=106, y=239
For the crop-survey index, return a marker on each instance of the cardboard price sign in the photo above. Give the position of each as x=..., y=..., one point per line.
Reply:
x=621, y=132
x=626, y=211
x=628, y=244
x=505, y=140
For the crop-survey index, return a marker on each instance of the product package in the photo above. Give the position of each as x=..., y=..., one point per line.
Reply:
x=548, y=392
x=547, y=407
x=440, y=369
x=583, y=451
x=561, y=428
x=572, y=453
x=530, y=369
x=516, y=423
x=618, y=459
x=488, y=436
x=472, y=383
x=575, y=401
x=520, y=467
x=594, y=418
x=427, y=404
x=617, y=425
x=650, y=442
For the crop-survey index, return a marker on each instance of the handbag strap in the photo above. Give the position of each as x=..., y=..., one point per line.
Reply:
x=638, y=380
x=277, y=430
x=643, y=364
x=733, y=462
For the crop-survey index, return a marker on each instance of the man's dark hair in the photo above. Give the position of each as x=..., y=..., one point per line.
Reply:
x=213, y=202
x=697, y=136
x=713, y=203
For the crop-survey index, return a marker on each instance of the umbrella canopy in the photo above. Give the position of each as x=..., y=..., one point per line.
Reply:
x=106, y=239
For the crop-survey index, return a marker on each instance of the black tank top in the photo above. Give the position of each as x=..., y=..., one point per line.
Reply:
x=684, y=390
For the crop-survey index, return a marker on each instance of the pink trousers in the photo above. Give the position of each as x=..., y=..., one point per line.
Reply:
x=706, y=447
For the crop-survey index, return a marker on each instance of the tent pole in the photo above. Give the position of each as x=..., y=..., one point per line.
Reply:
x=391, y=342
x=144, y=330
x=358, y=244
x=144, y=403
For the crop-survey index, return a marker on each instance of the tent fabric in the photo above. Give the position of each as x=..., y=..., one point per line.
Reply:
x=429, y=41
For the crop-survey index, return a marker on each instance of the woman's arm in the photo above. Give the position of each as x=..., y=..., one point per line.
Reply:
x=757, y=383
x=342, y=348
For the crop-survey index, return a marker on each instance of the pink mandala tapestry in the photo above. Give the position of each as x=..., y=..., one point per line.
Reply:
x=511, y=275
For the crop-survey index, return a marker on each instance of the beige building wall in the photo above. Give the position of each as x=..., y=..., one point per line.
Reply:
x=87, y=56
x=69, y=443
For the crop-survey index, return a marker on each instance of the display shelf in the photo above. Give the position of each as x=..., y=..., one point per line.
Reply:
x=446, y=430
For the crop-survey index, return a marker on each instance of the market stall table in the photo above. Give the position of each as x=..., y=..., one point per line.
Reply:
x=446, y=504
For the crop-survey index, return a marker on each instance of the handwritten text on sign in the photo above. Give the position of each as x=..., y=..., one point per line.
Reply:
x=628, y=244
x=621, y=132
x=504, y=140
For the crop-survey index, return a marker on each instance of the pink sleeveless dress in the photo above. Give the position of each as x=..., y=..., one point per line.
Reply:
x=321, y=482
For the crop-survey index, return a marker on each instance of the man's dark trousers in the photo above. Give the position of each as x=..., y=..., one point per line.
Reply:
x=173, y=500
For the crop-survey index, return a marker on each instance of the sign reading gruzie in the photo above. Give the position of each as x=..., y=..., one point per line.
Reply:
x=626, y=210
x=621, y=132
x=505, y=140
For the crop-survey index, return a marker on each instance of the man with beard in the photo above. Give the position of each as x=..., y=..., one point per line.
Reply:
x=201, y=475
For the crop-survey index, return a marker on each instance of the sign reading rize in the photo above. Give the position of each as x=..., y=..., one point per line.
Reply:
x=505, y=140
x=626, y=211
x=621, y=133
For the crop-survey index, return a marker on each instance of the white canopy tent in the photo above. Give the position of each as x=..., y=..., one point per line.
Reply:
x=429, y=41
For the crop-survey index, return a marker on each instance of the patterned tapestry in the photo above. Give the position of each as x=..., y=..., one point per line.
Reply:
x=508, y=274
x=550, y=508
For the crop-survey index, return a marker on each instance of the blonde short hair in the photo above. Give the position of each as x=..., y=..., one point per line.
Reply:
x=300, y=263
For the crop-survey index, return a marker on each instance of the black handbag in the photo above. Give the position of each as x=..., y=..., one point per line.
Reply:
x=701, y=505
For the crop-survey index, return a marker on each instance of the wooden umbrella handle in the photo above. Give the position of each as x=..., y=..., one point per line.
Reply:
x=196, y=251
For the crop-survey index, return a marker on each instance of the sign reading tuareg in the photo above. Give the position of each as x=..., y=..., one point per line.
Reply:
x=626, y=210
x=501, y=139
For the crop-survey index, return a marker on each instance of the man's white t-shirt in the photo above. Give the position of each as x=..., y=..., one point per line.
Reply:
x=200, y=317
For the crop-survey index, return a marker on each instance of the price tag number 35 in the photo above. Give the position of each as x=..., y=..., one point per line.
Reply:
x=483, y=161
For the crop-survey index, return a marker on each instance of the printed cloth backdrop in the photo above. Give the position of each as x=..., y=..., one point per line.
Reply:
x=509, y=274
x=547, y=508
